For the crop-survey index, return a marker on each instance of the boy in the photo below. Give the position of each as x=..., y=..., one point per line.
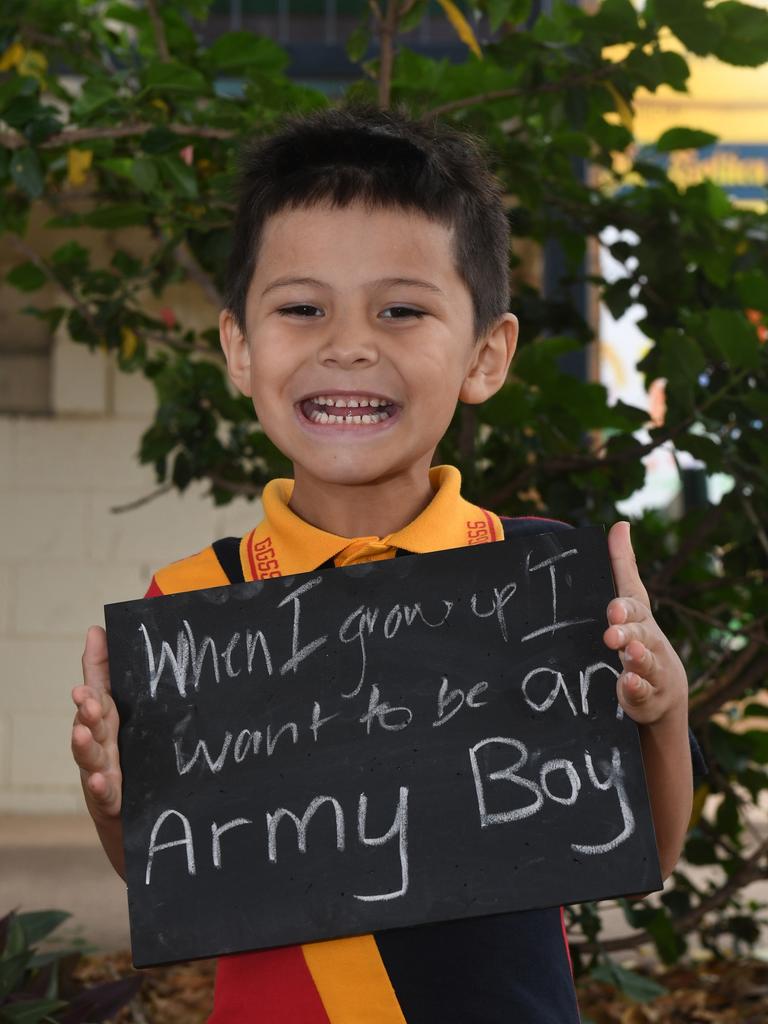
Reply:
x=368, y=293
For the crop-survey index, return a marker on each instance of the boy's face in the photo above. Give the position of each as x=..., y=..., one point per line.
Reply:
x=354, y=314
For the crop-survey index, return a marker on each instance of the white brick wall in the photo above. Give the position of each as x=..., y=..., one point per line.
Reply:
x=63, y=555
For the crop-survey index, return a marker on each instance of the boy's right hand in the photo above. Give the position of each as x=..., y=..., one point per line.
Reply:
x=94, y=734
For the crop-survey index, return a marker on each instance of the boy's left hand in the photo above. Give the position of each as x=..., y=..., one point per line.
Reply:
x=653, y=682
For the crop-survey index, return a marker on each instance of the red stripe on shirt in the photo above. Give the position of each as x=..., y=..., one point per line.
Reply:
x=154, y=590
x=491, y=527
x=249, y=548
x=266, y=987
x=565, y=937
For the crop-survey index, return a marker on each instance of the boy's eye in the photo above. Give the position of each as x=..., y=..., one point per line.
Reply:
x=299, y=310
x=404, y=310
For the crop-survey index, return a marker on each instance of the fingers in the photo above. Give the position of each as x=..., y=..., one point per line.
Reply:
x=95, y=709
x=636, y=695
x=95, y=728
x=95, y=659
x=624, y=565
x=89, y=754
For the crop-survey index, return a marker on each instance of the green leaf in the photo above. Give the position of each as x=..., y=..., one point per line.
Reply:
x=244, y=51
x=735, y=337
x=71, y=257
x=120, y=216
x=684, y=138
x=172, y=76
x=178, y=175
x=28, y=277
x=119, y=165
x=727, y=817
x=752, y=287
x=743, y=36
x=358, y=42
x=32, y=1011
x=413, y=17
x=617, y=17
x=513, y=11
x=144, y=173
x=669, y=944
x=96, y=93
x=12, y=970
x=38, y=924
x=127, y=264
x=537, y=362
x=690, y=21
x=675, y=68
x=26, y=172
x=632, y=984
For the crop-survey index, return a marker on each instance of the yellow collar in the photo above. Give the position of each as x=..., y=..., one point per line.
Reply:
x=283, y=544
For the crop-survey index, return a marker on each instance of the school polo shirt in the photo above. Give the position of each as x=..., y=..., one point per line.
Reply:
x=513, y=968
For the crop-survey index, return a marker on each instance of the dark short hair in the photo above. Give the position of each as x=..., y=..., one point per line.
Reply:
x=384, y=159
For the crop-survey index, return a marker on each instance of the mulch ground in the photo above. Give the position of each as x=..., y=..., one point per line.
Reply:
x=723, y=992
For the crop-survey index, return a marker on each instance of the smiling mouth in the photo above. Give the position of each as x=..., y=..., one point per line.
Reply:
x=350, y=410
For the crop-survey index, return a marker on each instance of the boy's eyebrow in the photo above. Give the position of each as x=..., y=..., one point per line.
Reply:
x=413, y=282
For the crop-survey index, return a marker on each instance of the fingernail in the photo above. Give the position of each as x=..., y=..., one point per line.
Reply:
x=622, y=635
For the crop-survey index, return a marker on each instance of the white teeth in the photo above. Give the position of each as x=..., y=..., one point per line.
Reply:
x=318, y=416
x=348, y=402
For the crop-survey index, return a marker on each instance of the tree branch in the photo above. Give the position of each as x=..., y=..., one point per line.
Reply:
x=129, y=506
x=758, y=525
x=187, y=260
x=513, y=93
x=159, y=29
x=15, y=140
x=596, y=460
x=751, y=870
x=387, y=28
x=50, y=273
x=738, y=683
x=693, y=542
x=248, y=490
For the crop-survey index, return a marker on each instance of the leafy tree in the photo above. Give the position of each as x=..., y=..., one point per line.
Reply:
x=116, y=115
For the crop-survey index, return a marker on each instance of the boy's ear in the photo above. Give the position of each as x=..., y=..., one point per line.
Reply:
x=236, y=352
x=490, y=361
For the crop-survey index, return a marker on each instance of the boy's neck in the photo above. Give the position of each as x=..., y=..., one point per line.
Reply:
x=362, y=510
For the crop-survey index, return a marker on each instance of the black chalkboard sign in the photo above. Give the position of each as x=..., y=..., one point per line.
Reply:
x=398, y=742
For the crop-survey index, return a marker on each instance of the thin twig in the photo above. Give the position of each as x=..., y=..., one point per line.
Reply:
x=758, y=525
x=711, y=620
x=248, y=490
x=513, y=93
x=15, y=140
x=187, y=260
x=387, y=28
x=693, y=542
x=702, y=709
x=751, y=870
x=159, y=29
x=737, y=666
x=596, y=459
x=52, y=276
x=138, y=502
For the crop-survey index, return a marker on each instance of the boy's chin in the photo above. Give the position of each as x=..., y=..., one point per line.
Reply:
x=348, y=473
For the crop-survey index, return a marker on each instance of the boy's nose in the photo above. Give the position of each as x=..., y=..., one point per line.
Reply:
x=348, y=351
